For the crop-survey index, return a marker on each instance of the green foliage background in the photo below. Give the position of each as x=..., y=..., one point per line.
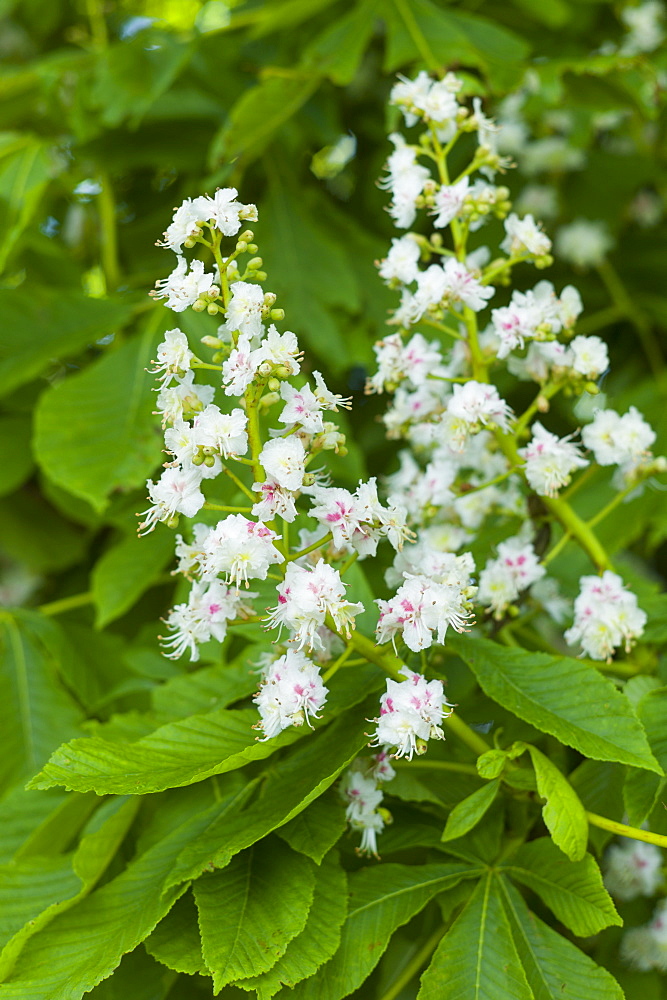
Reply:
x=246, y=94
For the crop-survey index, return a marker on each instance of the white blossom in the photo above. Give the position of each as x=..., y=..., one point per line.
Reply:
x=176, y=492
x=515, y=568
x=306, y=597
x=422, y=610
x=632, y=868
x=402, y=261
x=241, y=549
x=209, y=608
x=173, y=356
x=283, y=460
x=583, y=243
x=176, y=401
x=448, y=202
x=244, y=312
x=524, y=236
x=183, y=287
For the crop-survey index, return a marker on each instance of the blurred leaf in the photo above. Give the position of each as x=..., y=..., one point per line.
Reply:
x=37, y=713
x=39, y=325
x=32, y=532
x=310, y=270
x=259, y=114
x=94, y=432
x=572, y=889
x=125, y=571
x=24, y=175
x=17, y=460
x=130, y=76
x=337, y=52
x=598, y=722
x=477, y=958
x=206, y=689
x=450, y=38
x=252, y=909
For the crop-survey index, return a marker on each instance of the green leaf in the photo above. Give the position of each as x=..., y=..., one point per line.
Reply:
x=468, y=813
x=540, y=689
x=128, y=569
x=22, y=814
x=24, y=176
x=291, y=786
x=319, y=939
x=35, y=890
x=178, y=753
x=563, y=813
x=17, y=460
x=67, y=322
x=572, y=889
x=251, y=910
x=137, y=977
x=94, y=431
x=36, y=713
x=554, y=967
x=176, y=941
x=477, y=959
x=315, y=830
x=81, y=947
x=382, y=898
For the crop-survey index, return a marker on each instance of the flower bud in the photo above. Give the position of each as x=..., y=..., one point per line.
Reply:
x=260, y=275
x=273, y=385
x=308, y=478
x=209, y=461
x=241, y=246
x=420, y=746
x=269, y=299
x=199, y=306
x=213, y=342
x=190, y=242
x=277, y=315
x=255, y=263
x=212, y=308
x=252, y=248
x=247, y=235
x=592, y=388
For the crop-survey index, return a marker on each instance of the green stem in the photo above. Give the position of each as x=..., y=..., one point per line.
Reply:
x=345, y=655
x=106, y=206
x=311, y=548
x=417, y=36
x=442, y=327
x=601, y=514
x=504, y=266
x=621, y=830
x=416, y=963
x=491, y=482
x=557, y=548
x=348, y=562
x=98, y=24
x=254, y=434
x=203, y=364
x=66, y=604
x=581, y=479
x=546, y=392
x=241, y=486
x=230, y=510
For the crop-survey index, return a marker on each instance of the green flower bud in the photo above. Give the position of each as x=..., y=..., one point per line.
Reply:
x=255, y=263
x=273, y=385
x=212, y=308
x=199, y=306
x=247, y=235
x=277, y=314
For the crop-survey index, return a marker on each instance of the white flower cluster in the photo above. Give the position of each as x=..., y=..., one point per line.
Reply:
x=645, y=948
x=411, y=713
x=360, y=789
x=291, y=692
x=624, y=441
x=606, y=616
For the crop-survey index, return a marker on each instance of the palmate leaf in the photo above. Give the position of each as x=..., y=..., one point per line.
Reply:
x=561, y=696
x=125, y=571
x=572, y=889
x=382, y=899
x=288, y=789
x=207, y=688
x=252, y=909
x=477, y=959
x=83, y=946
x=319, y=939
x=555, y=968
